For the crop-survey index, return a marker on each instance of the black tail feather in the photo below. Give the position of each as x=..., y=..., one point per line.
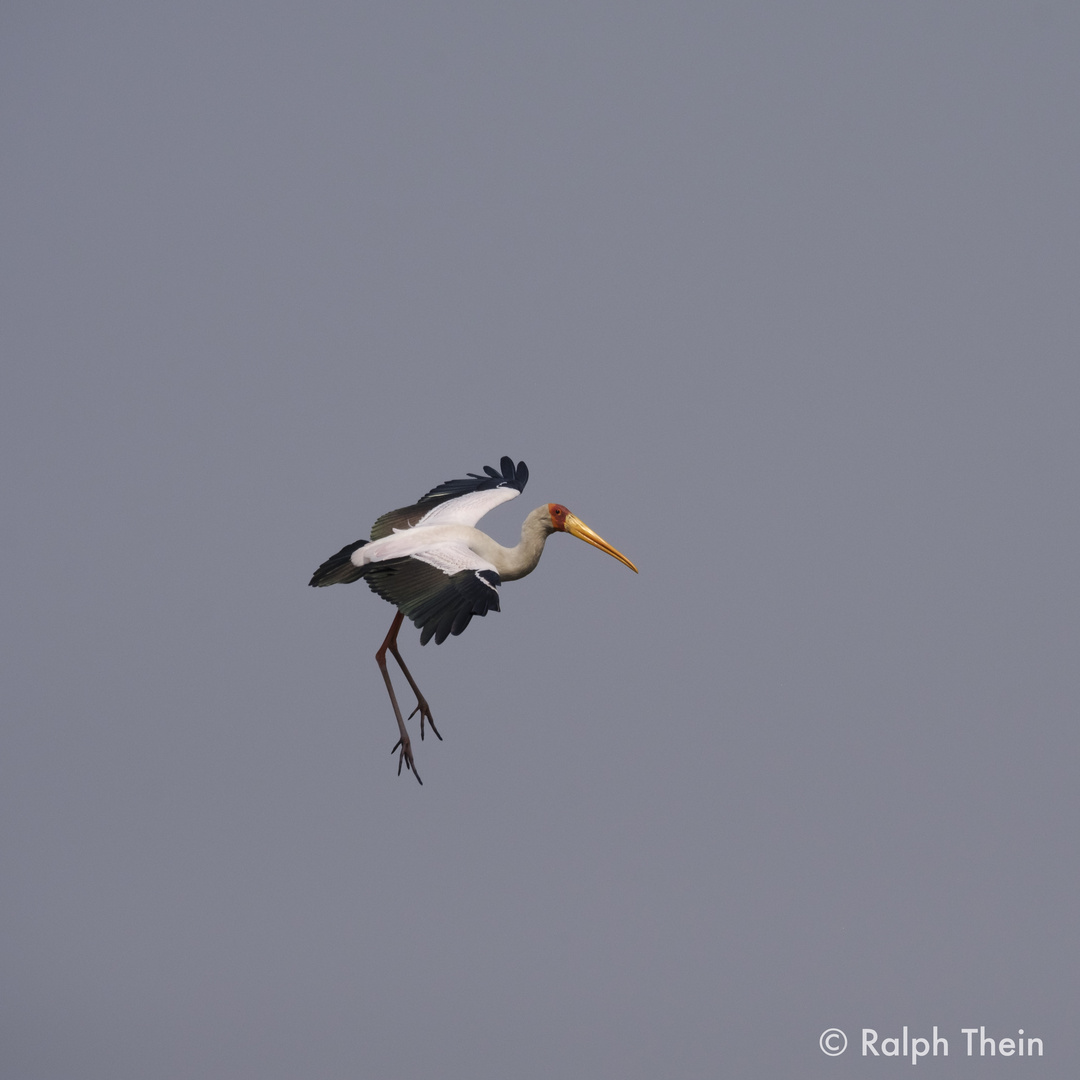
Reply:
x=339, y=568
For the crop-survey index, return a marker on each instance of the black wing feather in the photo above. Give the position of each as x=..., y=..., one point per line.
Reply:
x=407, y=516
x=438, y=604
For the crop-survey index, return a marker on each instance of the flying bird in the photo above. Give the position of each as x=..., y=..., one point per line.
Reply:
x=431, y=562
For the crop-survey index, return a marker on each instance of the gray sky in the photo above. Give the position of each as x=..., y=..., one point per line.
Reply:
x=781, y=299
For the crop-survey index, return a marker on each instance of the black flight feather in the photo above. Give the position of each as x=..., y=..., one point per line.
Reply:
x=407, y=516
x=438, y=604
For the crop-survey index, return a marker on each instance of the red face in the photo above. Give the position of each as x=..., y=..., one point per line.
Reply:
x=558, y=514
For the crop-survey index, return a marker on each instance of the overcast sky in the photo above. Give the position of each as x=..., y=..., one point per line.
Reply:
x=781, y=299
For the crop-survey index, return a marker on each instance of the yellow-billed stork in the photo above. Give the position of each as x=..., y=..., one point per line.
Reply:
x=437, y=568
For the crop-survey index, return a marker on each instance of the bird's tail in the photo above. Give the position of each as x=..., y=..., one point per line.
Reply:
x=339, y=569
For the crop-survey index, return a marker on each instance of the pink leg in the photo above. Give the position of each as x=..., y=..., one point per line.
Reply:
x=421, y=703
x=380, y=658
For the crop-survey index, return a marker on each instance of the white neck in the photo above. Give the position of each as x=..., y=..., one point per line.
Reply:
x=516, y=562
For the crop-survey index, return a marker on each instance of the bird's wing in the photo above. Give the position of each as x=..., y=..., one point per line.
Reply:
x=458, y=502
x=440, y=588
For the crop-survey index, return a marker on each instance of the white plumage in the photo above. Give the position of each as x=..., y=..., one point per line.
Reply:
x=439, y=570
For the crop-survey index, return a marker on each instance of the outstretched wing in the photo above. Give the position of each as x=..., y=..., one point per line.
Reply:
x=440, y=589
x=458, y=502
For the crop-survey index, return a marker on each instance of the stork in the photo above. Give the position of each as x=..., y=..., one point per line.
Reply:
x=431, y=562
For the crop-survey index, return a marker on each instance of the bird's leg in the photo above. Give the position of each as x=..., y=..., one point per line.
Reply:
x=390, y=642
x=422, y=706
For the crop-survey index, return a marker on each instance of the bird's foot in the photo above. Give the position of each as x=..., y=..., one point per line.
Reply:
x=406, y=758
x=425, y=714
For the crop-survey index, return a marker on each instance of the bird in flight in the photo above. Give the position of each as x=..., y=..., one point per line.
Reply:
x=431, y=562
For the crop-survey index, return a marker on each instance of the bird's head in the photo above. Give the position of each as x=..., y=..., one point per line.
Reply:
x=563, y=521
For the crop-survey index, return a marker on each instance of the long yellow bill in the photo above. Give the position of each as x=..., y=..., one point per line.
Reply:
x=576, y=527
